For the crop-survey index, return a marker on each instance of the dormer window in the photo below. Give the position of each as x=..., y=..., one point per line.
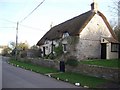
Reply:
x=46, y=42
x=65, y=34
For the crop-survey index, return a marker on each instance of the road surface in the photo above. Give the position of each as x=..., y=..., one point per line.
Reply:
x=15, y=77
x=0, y=72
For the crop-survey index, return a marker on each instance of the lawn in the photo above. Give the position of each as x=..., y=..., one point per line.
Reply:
x=115, y=63
x=35, y=68
x=84, y=80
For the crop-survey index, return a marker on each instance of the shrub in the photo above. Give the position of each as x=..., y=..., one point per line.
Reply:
x=51, y=56
x=58, y=50
x=72, y=61
x=23, y=54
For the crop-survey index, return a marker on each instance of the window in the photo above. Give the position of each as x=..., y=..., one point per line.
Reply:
x=46, y=42
x=66, y=34
x=46, y=47
x=64, y=47
x=114, y=47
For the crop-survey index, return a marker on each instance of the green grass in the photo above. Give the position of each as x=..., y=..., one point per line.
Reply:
x=35, y=68
x=84, y=80
x=106, y=63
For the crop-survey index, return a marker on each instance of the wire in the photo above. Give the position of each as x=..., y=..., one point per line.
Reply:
x=7, y=27
x=31, y=12
x=29, y=27
x=7, y=20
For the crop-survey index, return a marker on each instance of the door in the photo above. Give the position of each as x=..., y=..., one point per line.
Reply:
x=103, y=50
x=62, y=66
x=44, y=51
x=119, y=52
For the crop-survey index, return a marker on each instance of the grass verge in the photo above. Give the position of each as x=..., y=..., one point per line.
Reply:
x=114, y=63
x=84, y=80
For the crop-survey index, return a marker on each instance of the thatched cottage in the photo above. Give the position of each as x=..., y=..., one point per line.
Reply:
x=86, y=36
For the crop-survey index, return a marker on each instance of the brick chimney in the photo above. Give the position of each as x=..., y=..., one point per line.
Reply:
x=94, y=6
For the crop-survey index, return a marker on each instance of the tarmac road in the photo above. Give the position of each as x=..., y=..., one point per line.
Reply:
x=15, y=77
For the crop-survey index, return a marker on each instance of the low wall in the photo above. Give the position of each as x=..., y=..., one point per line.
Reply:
x=92, y=70
x=43, y=62
x=97, y=71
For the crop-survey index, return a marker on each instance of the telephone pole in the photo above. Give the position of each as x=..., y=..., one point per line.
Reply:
x=16, y=48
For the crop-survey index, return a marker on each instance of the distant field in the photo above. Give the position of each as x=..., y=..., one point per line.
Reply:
x=114, y=63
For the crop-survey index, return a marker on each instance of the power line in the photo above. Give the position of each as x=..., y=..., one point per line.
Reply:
x=26, y=26
x=8, y=20
x=31, y=12
x=7, y=27
x=29, y=27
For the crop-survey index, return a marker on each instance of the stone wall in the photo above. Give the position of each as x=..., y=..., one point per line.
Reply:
x=92, y=70
x=43, y=62
x=97, y=71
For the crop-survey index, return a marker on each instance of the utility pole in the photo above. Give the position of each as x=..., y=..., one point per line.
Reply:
x=16, y=49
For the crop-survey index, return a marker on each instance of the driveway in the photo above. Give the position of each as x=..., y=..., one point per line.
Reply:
x=15, y=77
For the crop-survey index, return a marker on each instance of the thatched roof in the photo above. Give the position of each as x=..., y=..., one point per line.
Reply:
x=73, y=26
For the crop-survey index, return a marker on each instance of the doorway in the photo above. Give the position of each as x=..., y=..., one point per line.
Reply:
x=103, y=51
x=119, y=52
x=44, y=51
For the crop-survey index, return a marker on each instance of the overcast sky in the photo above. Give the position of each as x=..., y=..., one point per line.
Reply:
x=38, y=23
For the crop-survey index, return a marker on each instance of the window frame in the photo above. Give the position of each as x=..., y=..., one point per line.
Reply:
x=64, y=47
x=114, y=47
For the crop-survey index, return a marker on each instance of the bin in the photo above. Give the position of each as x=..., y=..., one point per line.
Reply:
x=62, y=66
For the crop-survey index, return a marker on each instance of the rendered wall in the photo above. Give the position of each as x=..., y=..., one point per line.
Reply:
x=111, y=55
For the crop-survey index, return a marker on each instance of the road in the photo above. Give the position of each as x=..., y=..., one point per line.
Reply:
x=15, y=77
x=0, y=72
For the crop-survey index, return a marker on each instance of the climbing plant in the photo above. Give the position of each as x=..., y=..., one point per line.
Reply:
x=73, y=40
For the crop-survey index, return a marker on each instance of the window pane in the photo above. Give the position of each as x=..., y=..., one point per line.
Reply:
x=114, y=47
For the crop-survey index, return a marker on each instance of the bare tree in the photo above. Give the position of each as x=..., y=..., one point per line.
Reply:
x=115, y=9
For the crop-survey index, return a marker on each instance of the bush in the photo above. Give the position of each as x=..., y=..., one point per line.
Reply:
x=72, y=61
x=58, y=50
x=51, y=56
x=23, y=54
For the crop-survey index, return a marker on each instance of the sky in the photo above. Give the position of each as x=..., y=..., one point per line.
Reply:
x=51, y=12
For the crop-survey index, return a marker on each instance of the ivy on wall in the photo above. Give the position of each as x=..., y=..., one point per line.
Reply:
x=73, y=40
x=72, y=61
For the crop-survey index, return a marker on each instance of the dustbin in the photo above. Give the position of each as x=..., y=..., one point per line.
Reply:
x=62, y=66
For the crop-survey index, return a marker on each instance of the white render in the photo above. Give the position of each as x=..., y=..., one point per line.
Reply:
x=48, y=46
x=111, y=55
